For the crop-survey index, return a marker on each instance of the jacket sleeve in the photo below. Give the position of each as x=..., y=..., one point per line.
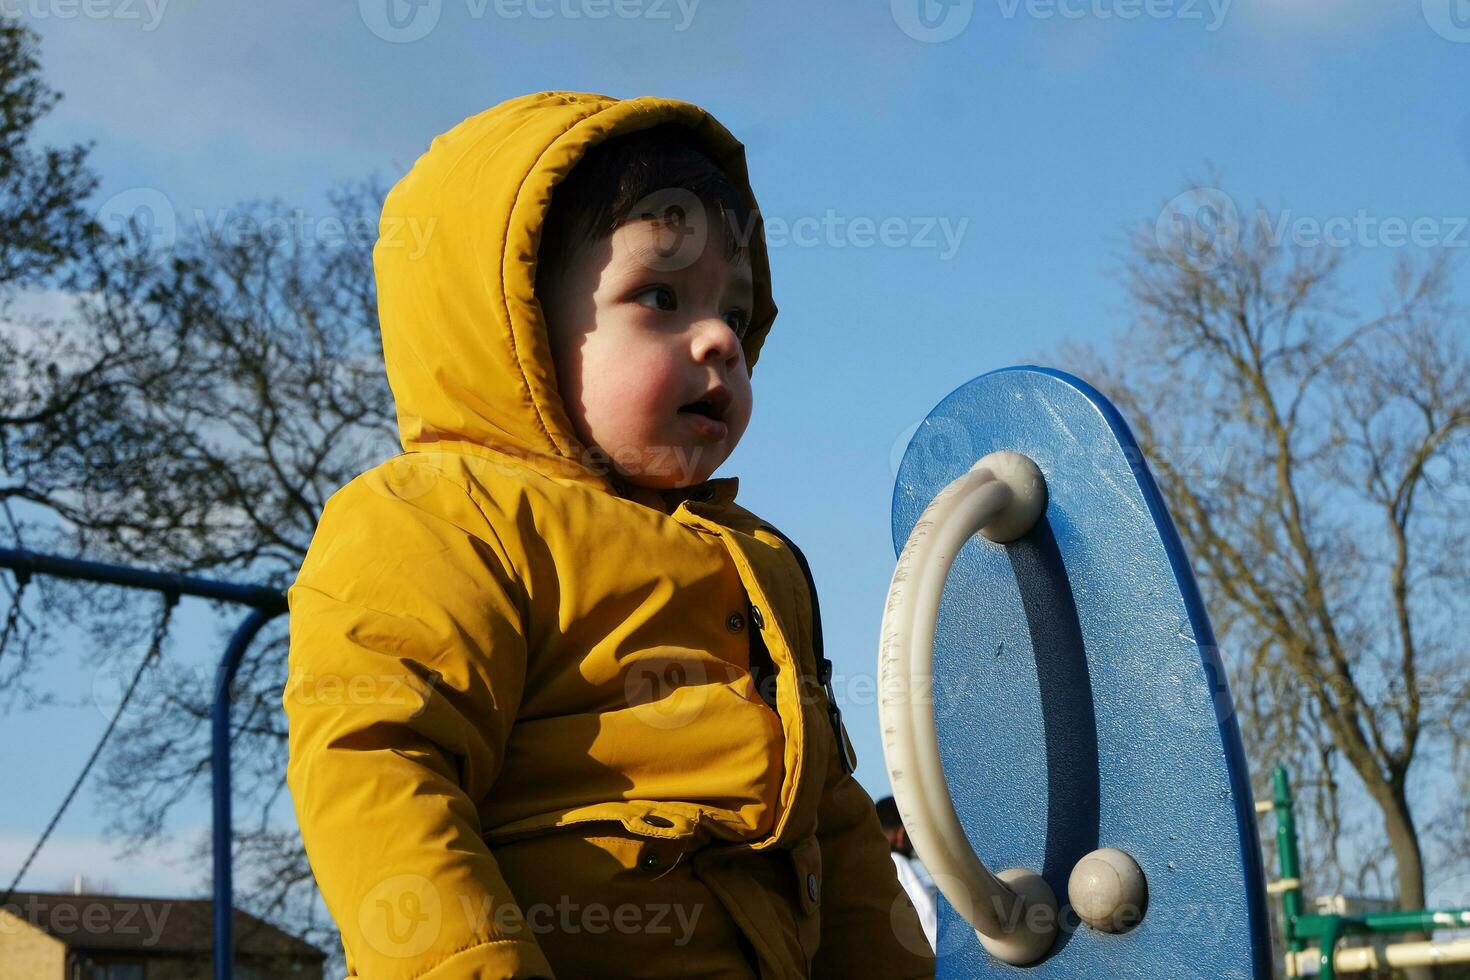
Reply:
x=869, y=925
x=406, y=665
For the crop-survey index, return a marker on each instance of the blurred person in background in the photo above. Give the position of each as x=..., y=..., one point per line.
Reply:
x=911, y=871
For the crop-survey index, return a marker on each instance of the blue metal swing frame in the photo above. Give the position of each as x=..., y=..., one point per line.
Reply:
x=265, y=604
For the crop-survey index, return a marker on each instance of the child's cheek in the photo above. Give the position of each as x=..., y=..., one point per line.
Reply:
x=649, y=395
x=744, y=405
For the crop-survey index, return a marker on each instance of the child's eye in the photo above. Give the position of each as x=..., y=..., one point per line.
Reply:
x=663, y=295
x=739, y=320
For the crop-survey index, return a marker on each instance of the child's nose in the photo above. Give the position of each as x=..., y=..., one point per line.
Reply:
x=716, y=340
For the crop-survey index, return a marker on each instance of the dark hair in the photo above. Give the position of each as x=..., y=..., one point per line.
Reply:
x=613, y=177
x=888, y=813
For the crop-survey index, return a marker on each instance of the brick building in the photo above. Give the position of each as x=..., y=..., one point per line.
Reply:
x=64, y=936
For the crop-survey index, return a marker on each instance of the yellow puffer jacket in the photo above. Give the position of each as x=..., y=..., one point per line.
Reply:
x=524, y=736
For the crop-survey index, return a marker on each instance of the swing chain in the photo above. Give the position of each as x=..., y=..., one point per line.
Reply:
x=155, y=645
x=160, y=629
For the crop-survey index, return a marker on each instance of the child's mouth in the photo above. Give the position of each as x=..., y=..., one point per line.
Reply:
x=707, y=413
x=705, y=419
x=702, y=407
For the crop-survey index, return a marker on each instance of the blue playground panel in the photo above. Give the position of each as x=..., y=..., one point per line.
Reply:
x=1079, y=696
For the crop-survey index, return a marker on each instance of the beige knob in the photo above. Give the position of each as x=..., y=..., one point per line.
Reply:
x=1108, y=891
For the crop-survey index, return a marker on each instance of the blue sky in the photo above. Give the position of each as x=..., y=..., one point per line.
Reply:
x=1035, y=136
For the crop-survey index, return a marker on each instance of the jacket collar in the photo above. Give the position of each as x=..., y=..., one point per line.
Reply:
x=714, y=492
x=717, y=491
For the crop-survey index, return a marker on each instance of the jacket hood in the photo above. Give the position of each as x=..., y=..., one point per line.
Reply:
x=464, y=339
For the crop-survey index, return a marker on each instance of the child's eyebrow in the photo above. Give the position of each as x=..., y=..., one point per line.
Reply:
x=743, y=287
x=641, y=260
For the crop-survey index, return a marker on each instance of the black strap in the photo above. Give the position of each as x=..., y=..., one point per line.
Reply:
x=762, y=669
x=824, y=666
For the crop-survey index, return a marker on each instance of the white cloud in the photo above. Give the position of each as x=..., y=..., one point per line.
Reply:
x=27, y=305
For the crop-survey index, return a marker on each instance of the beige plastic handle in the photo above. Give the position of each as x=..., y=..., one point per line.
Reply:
x=1014, y=913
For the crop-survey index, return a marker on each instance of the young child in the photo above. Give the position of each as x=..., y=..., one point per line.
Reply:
x=556, y=701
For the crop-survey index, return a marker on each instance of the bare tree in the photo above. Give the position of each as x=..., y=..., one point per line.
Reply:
x=192, y=410
x=43, y=219
x=1315, y=462
x=181, y=404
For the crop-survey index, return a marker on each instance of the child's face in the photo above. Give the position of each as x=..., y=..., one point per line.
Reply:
x=638, y=332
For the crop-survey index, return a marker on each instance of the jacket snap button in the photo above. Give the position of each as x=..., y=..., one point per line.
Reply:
x=648, y=862
x=756, y=618
x=811, y=887
x=734, y=622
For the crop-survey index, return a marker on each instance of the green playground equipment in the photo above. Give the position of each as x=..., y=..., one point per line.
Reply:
x=1325, y=931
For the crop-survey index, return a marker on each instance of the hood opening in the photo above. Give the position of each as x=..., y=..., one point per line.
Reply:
x=464, y=341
